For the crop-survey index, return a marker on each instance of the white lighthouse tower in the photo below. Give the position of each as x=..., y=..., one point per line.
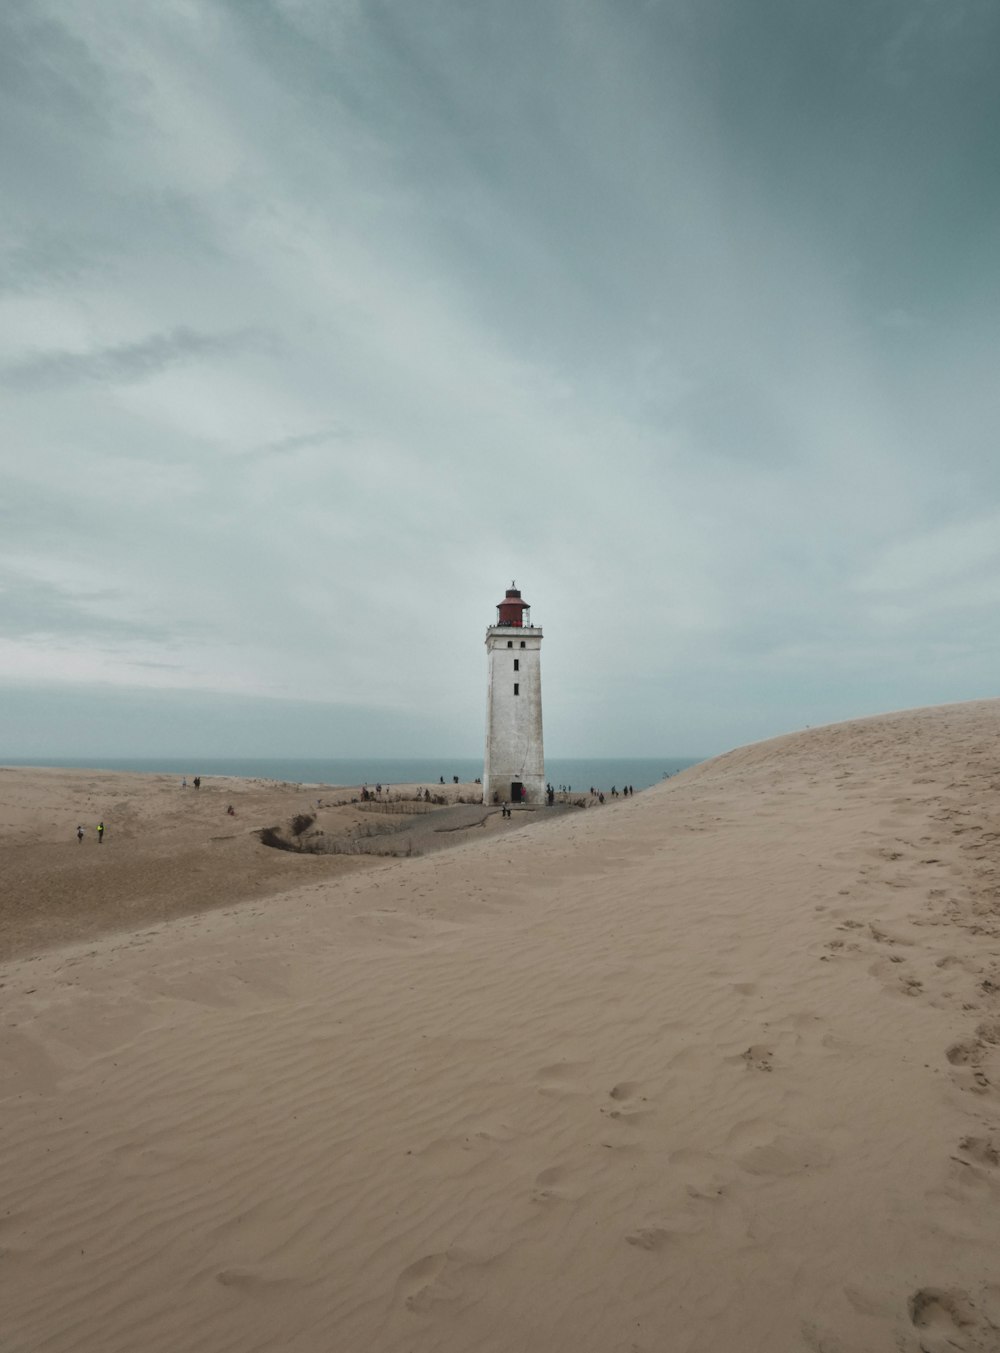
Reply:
x=515, y=763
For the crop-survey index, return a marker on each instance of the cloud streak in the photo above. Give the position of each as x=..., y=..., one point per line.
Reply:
x=123, y=362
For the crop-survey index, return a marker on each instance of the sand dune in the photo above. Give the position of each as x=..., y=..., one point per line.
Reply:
x=716, y=1068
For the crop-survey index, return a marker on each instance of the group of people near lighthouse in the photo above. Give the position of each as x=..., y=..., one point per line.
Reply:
x=625, y=792
x=615, y=792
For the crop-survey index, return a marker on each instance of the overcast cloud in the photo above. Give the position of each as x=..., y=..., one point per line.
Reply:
x=320, y=320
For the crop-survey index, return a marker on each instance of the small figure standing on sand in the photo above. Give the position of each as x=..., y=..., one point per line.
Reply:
x=231, y=811
x=197, y=782
x=506, y=809
x=100, y=832
x=79, y=833
x=184, y=783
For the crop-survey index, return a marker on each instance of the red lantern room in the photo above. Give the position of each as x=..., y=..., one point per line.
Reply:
x=513, y=610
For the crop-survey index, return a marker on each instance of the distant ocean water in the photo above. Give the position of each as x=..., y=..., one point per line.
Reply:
x=577, y=773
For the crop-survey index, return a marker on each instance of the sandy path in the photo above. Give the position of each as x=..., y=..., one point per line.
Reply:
x=714, y=1069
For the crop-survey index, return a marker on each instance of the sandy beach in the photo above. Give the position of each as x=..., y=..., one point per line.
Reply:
x=715, y=1068
x=169, y=851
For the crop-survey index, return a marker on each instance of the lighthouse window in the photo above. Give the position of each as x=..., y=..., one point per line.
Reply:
x=522, y=643
x=510, y=643
x=517, y=664
x=517, y=688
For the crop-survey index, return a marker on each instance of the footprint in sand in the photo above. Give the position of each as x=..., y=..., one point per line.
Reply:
x=434, y=1280
x=953, y=961
x=758, y=1057
x=420, y=1284
x=709, y=1192
x=546, y=1189
x=840, y=947
x=966, y=1058
x=625, y=1091
x=948, y=1319
x=626, y=1115
x=981, y=1150
x=881, y=936
x=964, y=1054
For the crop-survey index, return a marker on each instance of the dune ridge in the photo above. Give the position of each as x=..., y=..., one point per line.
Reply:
x=714, y=1068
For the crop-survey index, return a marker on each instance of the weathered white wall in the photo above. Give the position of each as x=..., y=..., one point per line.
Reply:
x=514, y=722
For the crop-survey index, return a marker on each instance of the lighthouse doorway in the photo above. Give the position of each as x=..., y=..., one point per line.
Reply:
x=516, y=791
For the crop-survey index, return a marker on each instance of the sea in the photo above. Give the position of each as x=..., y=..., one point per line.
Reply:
x=573, y=773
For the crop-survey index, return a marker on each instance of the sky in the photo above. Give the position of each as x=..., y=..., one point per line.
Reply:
x=321, y=321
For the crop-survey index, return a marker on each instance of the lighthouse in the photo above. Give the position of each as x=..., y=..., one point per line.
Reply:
x=515, y=763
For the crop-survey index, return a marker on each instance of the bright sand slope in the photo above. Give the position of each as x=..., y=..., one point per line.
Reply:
x=712, y=1069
